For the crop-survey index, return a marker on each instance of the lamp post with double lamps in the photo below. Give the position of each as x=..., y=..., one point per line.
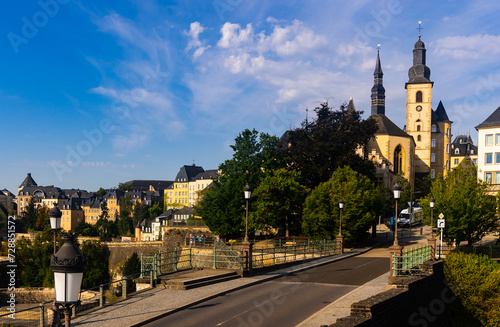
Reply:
x=55, y=222
x=247, y=191
x=340, y=238
x=68, y=265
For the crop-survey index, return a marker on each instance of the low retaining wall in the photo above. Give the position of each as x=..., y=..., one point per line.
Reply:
x=415, y=301
x=36, y=295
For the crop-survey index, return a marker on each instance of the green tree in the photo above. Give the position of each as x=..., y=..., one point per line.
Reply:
x=222, y=206
x=97, y=269
x=100, y=192
x=102, y=223
x=28, y=216
x=139, y=213
x=33, y=260
x=124, y=223
x=131, y=266
x=321, y=211
x=278, y=202
x=125, y=187
x=86, y=229
x=42, y=218
x=154, y=211
x=330, y=141
x=469, y=211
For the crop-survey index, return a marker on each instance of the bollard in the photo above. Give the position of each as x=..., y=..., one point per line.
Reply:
x=101, y=296
x=42, y=315
x=124, y=287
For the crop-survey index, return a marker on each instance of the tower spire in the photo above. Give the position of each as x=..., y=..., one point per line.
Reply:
x=419, y=72
x=378, y=90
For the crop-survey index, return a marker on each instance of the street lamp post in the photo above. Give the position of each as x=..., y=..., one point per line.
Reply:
x=431, y=204
x=397, y=195
x=340, y=238
x=248, y=192
x=55, y=222
x=68, y=265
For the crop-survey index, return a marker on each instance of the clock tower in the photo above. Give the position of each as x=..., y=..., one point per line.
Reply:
x=419, y=108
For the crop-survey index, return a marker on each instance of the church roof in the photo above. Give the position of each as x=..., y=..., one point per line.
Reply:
x=441, y=114
x=492, y=121
x=28, y=181
x=387, y=127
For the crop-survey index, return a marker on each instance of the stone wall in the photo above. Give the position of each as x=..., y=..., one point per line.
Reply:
x=37, y=295
x=415, y=301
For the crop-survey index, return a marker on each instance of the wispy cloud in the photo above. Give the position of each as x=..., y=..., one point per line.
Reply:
x=480, y=46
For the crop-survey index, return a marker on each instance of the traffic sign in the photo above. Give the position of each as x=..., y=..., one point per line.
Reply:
x=441, y=215
x=440, y=223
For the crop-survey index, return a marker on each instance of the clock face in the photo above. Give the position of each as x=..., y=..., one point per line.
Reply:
x=419, y=108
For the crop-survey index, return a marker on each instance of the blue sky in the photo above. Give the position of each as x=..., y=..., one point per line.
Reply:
x=94, y=93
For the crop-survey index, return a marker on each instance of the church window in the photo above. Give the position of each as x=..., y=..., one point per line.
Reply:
x=399, y=160
x=419, y=96
x=434, y=128
x=433, y=173
x=488, y=158
x=489, y=139
x=433, y=143
x=419, y=138
x=433, y=157
x=418, y=128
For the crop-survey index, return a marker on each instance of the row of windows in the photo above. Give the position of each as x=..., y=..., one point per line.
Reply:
x=489, y=139
x=488, y=177
x=488, y=158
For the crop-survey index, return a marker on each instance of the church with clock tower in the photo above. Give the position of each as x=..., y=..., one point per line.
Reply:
x=423, y=146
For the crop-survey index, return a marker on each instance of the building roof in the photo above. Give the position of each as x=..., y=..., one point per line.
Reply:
x=492, y=121
x=419, y=72
x=28, y=181
x=465, y=146
x=187, y=173
x=387, y=127
x=440, y=113
x=145, y=185
x=207, y=174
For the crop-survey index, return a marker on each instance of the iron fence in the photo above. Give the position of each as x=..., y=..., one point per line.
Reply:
x=411, y=261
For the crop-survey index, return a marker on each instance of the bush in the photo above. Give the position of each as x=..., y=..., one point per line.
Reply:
x=475, y=280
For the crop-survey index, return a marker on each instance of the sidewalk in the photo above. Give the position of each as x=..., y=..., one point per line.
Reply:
x=161, y=302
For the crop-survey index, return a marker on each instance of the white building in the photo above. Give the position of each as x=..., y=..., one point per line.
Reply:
x=488, y=159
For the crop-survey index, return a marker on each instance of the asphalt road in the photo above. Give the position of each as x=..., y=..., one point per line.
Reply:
x=285, y=301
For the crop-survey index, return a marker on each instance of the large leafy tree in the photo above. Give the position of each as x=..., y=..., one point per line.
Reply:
x=124, y=223
x=28, y=216
x=469, y=212
x=321, y=211
x=97, y=268
x=139, y=213
x=278, y=202
x=223, y=206
x=330, y=141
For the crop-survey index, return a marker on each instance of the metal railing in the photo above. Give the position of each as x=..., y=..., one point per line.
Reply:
x=33, y=316
x=276, y=252
x=410, y=263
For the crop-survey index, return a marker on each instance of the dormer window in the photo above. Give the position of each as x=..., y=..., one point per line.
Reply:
x=457, y=151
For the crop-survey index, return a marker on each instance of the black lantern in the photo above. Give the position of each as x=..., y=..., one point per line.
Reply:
x=68, y=265
x=55, y=222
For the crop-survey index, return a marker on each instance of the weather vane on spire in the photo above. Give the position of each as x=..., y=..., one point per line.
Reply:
x=419, y=28
x=378, y=47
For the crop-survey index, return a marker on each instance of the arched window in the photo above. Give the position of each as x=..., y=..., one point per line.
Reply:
x=399, y=160
x=419, y=96
x=418, y=128
x=419, y=138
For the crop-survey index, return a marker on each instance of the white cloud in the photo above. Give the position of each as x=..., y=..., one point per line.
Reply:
x=234, y=36
x=481, y=46
x=195, y=30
